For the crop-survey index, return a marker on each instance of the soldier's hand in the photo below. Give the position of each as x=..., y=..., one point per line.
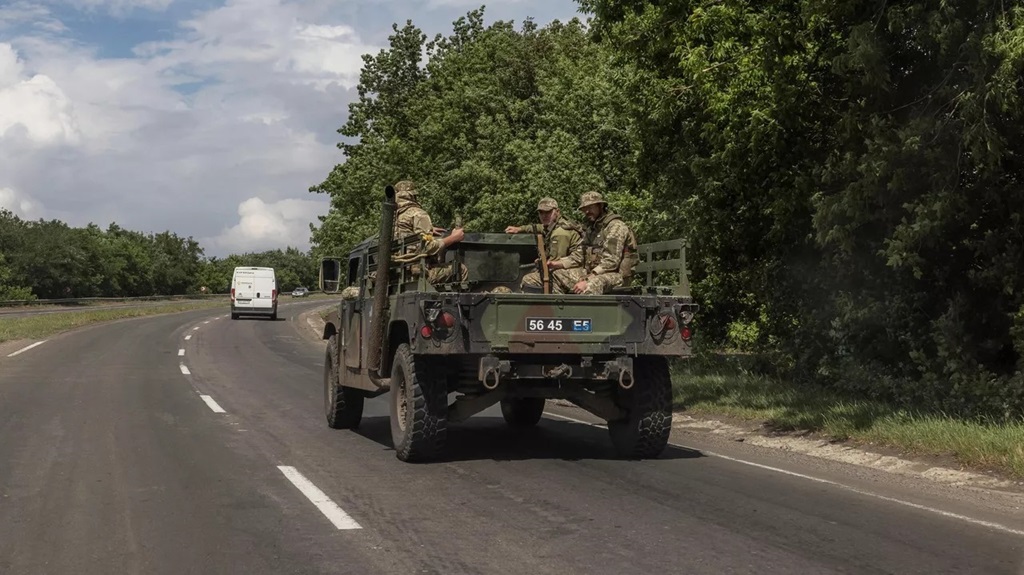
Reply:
x=439, y=231
x=512, y=230
x=457, y=234
x=580, y=287
x=555, y=265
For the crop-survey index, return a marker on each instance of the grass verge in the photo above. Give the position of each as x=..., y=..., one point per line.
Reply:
x=43, y=325
x=724, y=389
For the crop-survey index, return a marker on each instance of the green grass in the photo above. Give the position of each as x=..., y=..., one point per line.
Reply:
x=37, y=326
x=726, y=390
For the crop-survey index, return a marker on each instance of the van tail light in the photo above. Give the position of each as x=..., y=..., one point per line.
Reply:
x=232, y=294
x=273, y=294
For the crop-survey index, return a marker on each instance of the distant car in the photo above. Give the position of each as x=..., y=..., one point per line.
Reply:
x=300, y=292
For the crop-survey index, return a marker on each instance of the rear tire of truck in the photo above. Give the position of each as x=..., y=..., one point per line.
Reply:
x=343, y=405
x=522, y=412
x=419, y=407
x=644, y=432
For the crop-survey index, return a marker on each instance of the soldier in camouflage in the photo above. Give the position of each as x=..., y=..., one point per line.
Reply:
x=411, y=218
x=609, y=252
x=563, y=241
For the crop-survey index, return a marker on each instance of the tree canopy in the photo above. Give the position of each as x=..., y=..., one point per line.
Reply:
x=848, y=173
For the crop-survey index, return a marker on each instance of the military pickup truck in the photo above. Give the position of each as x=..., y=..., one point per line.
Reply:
x=482, y=342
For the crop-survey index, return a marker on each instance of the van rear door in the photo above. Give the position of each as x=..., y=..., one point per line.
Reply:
x=245, y=288
x=264, y=289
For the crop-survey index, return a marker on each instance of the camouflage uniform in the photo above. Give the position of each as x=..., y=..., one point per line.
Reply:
x=411, y=218
x=563, y=242
x=609, y=254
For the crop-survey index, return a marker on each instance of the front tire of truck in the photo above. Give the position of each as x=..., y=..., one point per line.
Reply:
x=644, y=432
x=522, y=412
x=419, y=407
x=343, y=405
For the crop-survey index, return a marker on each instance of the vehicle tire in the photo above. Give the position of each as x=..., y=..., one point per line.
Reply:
x=343, y=405
x=234, y=316
x=419, y=407
x=522, y=412
x=644, y=432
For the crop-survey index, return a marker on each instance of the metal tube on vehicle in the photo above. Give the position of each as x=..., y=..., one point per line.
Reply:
x=380, y=283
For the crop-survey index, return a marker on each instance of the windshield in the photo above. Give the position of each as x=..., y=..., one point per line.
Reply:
x=492, y=266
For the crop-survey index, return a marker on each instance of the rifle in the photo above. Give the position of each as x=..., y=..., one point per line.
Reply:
x=544, y=273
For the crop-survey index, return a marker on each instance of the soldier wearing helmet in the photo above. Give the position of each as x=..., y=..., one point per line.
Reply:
x=411, y=218
x=563, y=240
x=609, y=252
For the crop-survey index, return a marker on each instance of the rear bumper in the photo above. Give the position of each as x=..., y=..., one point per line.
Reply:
x=553, y=368
x=252, y=310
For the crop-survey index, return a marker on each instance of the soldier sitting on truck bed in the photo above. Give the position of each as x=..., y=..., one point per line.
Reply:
x=411, y=218
x=609, y=252
x=563, y=241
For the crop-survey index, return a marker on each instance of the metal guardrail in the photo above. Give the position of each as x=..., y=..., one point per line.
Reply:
x=87, y=300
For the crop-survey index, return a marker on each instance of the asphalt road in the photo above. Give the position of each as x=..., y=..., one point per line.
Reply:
x=118, y=455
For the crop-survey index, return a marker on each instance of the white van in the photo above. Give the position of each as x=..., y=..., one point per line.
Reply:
x=253, y=292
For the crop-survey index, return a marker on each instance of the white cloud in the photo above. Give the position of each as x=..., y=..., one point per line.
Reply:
x=36, y=105
x=24, y=12
x=19, y=204
x=273, y=87
x=264, y=226
x=115, y=7
x=246, y=39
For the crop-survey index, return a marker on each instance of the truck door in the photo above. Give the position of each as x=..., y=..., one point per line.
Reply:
x=352, y=318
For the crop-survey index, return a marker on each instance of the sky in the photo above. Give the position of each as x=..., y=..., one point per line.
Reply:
x=207, y=119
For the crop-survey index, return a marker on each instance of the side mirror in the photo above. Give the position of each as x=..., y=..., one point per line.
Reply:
x=330, y=275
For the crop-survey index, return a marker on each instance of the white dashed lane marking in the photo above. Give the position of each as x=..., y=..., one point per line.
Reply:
x=26, y=348
x=330, y=509
x=213, y=404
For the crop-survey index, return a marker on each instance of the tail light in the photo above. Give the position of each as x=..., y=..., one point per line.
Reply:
x=232, y=294
x=662, y=325
x=273, y=294
x=686, y=333
x=426, y=332
x=447, y=320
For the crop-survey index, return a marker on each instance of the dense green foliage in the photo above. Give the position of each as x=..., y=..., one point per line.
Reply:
x=849, y=173
x=495, y=119
x=51, y=260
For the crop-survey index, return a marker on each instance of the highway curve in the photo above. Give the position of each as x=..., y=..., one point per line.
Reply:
x=121, y=454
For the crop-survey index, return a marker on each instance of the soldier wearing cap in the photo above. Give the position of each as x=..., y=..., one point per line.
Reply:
x=563, y=240
x=609, y=252
x=411, y=218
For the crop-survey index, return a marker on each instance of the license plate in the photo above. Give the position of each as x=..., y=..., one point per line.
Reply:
x=545, y=324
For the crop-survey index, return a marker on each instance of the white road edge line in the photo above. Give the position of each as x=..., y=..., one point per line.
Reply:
x=213, y=404
x=184, y=370
x=26, y=348
x=195, y=328
x=982, y=523
x=337, y=516
x=207, y=321
x=181, y=352
x=188, y=337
